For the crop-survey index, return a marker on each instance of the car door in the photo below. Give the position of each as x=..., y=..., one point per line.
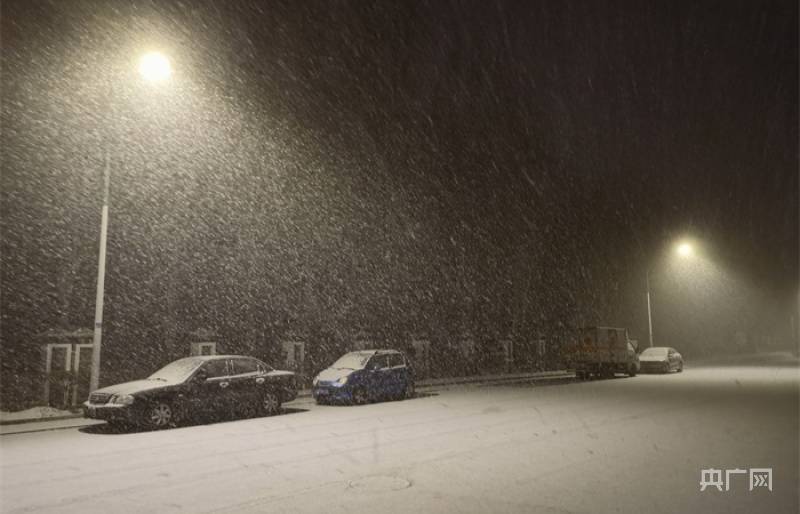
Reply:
x=213, y=397
x=396, y=375
x=377, y=369
x=633, y=359
x=245, y=384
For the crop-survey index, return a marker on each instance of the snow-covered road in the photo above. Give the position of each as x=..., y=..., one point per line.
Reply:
x=622, y=445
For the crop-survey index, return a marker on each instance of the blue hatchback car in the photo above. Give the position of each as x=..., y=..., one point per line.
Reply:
x=363, y=376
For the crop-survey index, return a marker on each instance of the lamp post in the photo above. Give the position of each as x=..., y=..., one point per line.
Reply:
x=649, y=312
x=153, y=67
x=683, y=250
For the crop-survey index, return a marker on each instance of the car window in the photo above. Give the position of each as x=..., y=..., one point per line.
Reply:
x=396, y=359
x=216, y=368
x=244, y=366
x=352, y=360
x=177, y=371
x=378, y=362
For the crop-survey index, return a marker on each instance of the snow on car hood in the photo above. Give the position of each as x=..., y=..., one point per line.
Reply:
x=137, y=386
x=333, y=374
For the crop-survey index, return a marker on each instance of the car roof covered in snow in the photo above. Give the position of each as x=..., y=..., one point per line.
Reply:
x=218, y=357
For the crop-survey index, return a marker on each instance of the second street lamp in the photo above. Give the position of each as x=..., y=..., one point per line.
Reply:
x=153, y=67
x=684, y=250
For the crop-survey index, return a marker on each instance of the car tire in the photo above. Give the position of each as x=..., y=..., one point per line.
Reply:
x=632, y=370
x=160, y=415
x=359, y=396
x=680, y=367
x=270, y=403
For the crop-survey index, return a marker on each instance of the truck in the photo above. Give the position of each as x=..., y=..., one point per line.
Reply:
x=603, y=352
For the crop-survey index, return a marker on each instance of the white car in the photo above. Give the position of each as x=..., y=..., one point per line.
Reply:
x=661, y=359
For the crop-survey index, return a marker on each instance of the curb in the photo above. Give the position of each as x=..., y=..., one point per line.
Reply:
x=29, y=428
x=439, y=382
x=304, y=394
x=40, y=420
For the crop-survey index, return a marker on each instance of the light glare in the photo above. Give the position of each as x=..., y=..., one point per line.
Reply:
x=155, y=67
x=685, y=249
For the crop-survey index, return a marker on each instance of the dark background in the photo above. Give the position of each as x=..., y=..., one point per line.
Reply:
x=400, y=168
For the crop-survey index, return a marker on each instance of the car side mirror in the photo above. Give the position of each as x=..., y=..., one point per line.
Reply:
x=201, y=376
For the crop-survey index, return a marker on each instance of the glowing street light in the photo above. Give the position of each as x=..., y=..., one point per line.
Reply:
x=685, y=250
x=153, y=67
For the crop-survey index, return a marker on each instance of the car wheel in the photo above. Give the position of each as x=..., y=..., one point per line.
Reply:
x=632, y=370
x=270, y=403
x=409, y=392
x=680, y=367
x=359, y=396
x=160, y=415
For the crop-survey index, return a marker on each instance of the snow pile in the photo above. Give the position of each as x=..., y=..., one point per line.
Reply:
x=34, y=413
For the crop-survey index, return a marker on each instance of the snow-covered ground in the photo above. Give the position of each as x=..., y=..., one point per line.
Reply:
x=623, y=445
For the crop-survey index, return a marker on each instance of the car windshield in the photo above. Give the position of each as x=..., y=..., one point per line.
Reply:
x=353, y=360
x=655, y=352
x=177, y=371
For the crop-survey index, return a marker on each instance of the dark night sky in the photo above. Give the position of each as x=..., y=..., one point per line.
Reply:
x=376, y=155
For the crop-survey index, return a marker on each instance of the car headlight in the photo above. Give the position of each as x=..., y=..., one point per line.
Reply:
x=122, y=399
x=343, y=380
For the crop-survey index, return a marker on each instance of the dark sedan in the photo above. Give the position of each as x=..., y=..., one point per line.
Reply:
x=215, y=386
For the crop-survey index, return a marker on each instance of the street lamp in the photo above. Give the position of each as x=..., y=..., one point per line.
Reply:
x=684, y=250
x=153, y=67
